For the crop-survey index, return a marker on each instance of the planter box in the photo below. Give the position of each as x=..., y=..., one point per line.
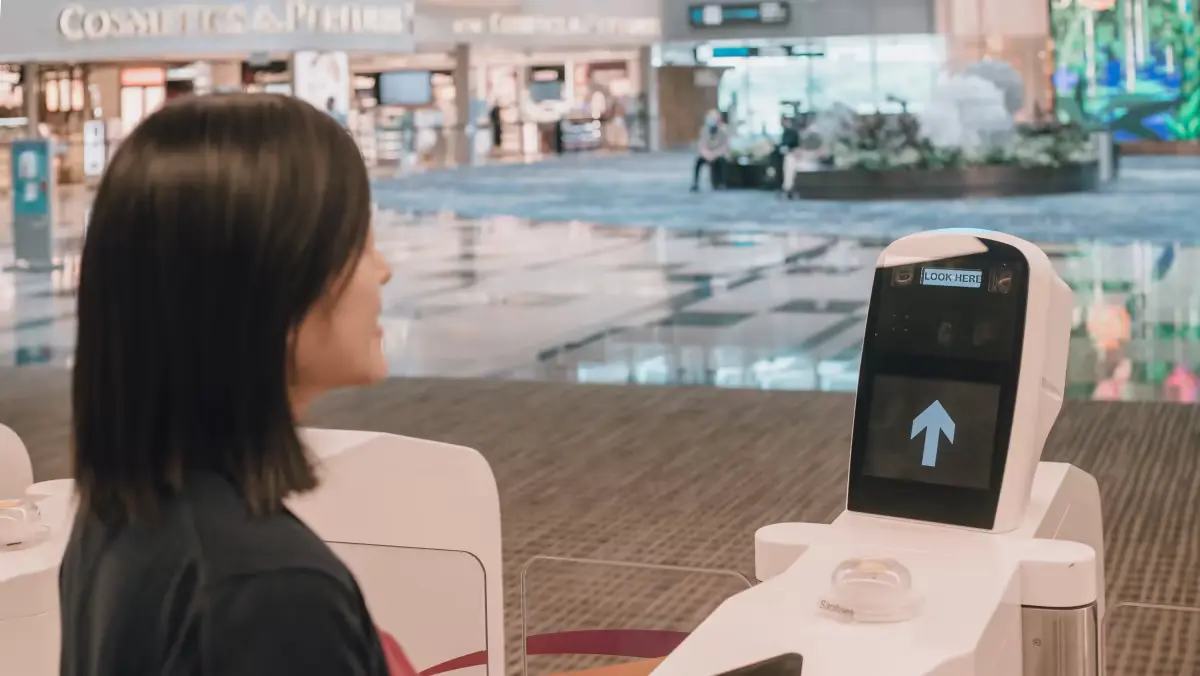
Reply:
x=917, y=184
x=745, y=176
x=1188, y=148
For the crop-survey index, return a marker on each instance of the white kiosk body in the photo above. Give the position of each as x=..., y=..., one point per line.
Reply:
x=959, y=552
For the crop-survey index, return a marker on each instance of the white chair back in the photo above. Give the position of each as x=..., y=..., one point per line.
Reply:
x=29, y=631
x=16, y=470
x=419, y=524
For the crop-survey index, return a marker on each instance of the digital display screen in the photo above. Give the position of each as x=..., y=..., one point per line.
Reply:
x=937, y=387
x=935, y=431
x=406, y=88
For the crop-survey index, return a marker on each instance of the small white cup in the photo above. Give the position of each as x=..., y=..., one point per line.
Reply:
x=20, y=520
x=51, y=489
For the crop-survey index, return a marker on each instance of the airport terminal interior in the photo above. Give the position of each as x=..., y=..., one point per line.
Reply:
x=655, y=368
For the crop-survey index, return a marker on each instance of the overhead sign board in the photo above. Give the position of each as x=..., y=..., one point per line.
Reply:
x=535, y=25
x=81, y=22
x=741, y=13
x=130, y=30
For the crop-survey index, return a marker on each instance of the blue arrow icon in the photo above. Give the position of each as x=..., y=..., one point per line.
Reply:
x=934, y=422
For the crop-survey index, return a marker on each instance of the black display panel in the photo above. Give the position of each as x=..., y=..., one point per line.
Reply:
x=790, y=664
x=937, y=388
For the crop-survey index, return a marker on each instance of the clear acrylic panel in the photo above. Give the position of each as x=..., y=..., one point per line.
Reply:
x=580, y=614
x=431, y=602
x=1147, y=639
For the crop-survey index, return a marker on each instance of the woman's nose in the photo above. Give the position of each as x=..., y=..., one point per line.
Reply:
x=387, y=268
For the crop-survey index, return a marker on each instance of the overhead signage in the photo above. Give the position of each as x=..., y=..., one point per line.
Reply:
x=705, y=53
x=741, y=13
x=534, y=25
x=78, y=22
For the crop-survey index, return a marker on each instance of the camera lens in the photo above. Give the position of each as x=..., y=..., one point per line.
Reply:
x=1002, y=281
x=945, y=334
x=902, y=276
x=985, y=332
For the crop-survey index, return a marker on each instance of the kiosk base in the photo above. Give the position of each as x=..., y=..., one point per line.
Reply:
x=869, y=595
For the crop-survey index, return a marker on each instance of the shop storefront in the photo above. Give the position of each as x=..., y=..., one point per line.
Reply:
x=762, y=61
x=87, y=72
x=536, y=62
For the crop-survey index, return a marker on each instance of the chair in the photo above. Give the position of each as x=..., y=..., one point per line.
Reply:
x=16, y=471
x=400, y=510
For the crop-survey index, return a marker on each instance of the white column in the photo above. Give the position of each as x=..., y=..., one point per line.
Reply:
x=649, y=88
x=32, y=93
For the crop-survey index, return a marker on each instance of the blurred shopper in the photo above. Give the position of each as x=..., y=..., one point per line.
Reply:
x=229, y=278
x=788, y=141
x=496, y=121
x=713, y=146
x=331, y=108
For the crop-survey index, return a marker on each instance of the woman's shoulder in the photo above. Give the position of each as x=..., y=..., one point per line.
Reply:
x=231, y=542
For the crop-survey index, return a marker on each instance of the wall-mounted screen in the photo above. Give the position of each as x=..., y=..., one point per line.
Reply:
x=546, y=83
x=1130, y=65
x=405, y=88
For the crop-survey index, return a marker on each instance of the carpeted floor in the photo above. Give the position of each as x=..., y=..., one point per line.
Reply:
x=684, y=476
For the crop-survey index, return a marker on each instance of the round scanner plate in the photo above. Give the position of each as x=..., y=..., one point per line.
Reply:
x=872, y=590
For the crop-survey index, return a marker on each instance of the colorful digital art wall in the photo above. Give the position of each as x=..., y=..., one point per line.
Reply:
x=1129, y=65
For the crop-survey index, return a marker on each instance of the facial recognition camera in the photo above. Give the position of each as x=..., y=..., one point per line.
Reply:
x=962, y=377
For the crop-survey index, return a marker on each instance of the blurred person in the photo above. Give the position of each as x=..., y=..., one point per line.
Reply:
x=789, y=140
x=331, y=109
x=713, y=147
x=229, y=278
x=496, y=121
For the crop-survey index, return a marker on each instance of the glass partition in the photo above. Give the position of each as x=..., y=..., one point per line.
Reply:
x=882, y=73
x=1151, y=639
x=430, y=604
x=583, y=614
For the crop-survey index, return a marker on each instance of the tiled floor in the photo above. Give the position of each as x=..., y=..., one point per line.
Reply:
x=1155, y=199
x=507, y=298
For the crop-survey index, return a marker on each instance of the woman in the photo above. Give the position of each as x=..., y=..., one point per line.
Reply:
x=229, y=278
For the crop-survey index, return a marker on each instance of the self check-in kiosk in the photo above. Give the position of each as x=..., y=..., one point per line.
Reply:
x=959, y=553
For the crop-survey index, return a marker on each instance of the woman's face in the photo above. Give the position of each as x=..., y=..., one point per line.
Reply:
x=340, y=342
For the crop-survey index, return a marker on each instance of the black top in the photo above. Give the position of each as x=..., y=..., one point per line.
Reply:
x=210, y=590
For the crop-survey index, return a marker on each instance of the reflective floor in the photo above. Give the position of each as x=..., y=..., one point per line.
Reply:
x=507, y=298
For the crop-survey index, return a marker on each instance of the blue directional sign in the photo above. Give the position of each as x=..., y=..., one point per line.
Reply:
x=934, y=422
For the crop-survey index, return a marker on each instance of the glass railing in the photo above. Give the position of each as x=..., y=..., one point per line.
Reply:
x=579, y=614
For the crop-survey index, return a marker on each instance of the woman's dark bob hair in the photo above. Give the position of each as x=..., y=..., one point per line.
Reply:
x=219, y=224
